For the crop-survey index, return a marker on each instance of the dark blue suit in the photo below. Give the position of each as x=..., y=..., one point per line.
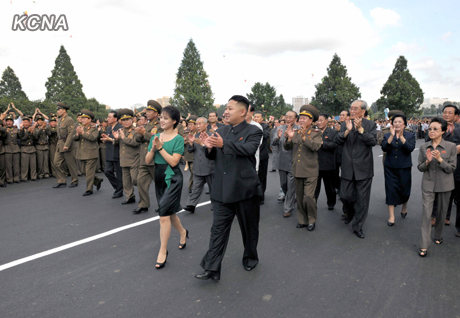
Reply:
x=235, y=191
x=397, y=168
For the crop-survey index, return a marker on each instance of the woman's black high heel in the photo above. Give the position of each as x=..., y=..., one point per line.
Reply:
x=182, y=246
x=161, y=265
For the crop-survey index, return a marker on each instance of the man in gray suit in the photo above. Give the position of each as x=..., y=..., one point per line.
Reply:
x=358, y=136
x=203, y=168
x=274, y=148
x=284, y=163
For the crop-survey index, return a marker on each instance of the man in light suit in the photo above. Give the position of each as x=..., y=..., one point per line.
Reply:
x=235, y=188
x=357, y=135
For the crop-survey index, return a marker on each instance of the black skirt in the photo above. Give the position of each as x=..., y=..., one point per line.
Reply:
x=398, y=182
x=168, y=198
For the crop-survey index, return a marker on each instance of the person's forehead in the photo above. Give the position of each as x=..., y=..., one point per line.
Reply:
x=449, y=110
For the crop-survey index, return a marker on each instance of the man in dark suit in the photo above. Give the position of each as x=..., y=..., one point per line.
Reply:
x=213, y=124
x=358, y=136
x=263, y=153
x=235, y=187
x=326, y=160
x=112, y=170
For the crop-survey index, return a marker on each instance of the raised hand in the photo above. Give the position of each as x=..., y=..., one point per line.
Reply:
x=429, y=155
x=280, y=132
x=115, y=134
x=217, y=141
x=191, y=138
x=349, y=125
x=437, y=155
x=392, y=130
x=122, y=133
x=158, y=143
x=358, y=122
x=79, y=130
x=206, y=140
x=140, y=130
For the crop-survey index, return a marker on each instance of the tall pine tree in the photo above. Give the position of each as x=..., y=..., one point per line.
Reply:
x=192, y=93
x=264, y=98
x=64, y=85
x=401, y=91
x=10, y=86
x=336, y=92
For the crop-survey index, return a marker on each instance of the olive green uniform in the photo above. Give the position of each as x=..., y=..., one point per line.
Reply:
x=12, y=155
x=42, y=148
x=28, y=154
x=66, y=131
x=129, y=160
x=52, y=139
x=146, y=171
x=305, y=169
x=88, y=154
x=2, y=156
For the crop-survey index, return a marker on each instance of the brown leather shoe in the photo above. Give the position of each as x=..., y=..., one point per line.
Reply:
x=433, y=221
x=287, y=214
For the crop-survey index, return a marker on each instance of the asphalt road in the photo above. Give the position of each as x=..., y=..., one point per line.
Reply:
x=325, y=273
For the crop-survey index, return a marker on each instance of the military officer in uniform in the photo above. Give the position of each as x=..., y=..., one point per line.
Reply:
x=51, y=131
x=147, y=171
x=305, y=144
x=42, y=148
x=88, y=150
x=28, y=135
x=65, y=151
x=2, y=155
x=129, y=153
x=12, y=151
x=101, y=162
x=188, y=156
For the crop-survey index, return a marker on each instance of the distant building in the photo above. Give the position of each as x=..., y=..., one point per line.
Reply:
x=164, y=101
x=427, y=102
x=108, y=107
x=297, y=102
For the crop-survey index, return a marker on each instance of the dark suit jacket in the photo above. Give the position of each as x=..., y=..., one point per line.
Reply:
x=398, y=154
x=112, y=152
x=456, y=141
x=326, y=154
x=235, y=176
x=202, y=166
x=357, y=157
x=263, y=155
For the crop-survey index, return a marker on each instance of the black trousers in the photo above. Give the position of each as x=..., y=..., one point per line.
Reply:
x=248, y=214
x=114, y=173
x=355, y=195
x=328, y=177
x=337, y=175
x=263, y=169
x=457, y=197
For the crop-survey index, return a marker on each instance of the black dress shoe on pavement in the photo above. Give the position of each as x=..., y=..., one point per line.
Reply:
x=3, y=185
x=403, y=215
x=131, y=200
x=73, y=185
x=116, y=196
x=344, y=216
x=348, y=220
x=299, y=226
x=359, y=234
x=40, y=178
x=99, y=185
x=87, y=193
x=209, y=275
x=311, y=227
x=262, y=202
x=249, y=268
x=330, y=208
x=17, y=181
x=390, y=224
x=190, y=208
x=157, y=210
x=59, y=185
x=140, y=210
x=10, y=182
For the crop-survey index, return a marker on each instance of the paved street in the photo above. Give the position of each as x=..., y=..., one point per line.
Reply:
x=325, y=273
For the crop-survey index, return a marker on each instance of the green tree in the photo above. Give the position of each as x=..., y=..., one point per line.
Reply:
x=401, y=91
x=264, y=99
x=192, y=93
x=10, y=86
x=336, y=92
x=64, y=85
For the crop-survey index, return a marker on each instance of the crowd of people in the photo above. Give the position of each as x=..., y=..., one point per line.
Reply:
x=231, y=156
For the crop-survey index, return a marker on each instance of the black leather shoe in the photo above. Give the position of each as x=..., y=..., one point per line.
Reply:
x=209, y=275
x=190, y=208
x=403, y=215
x=140, y=210
x=262, y=202
x=344, y=216
x=87, y=193
x=40, y=178
x=348, y=220
x=116, y=196
x=17, y=181
x=359, y=234
x=311, y=226
x=3, y=185
x=99, y=185
x=390, y=224
x=249, y=268
x=131, y=200
x=330, y=208
x=299, y=226
x=59, y=185
x=73, y=185
x=207, y=192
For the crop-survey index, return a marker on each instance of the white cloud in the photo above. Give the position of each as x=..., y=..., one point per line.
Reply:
x=446, y=35
x=385, y=17
x=403, y=48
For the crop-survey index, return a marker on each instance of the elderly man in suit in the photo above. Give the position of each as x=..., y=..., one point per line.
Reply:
x=235, y=189
x=203, y=167
x=357, y=135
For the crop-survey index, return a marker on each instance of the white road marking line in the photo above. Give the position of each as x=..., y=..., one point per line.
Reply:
x=83, y=241
x=380, y=156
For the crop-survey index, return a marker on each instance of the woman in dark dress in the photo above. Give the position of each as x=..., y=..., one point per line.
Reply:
x=166, y=149
x=398, y=144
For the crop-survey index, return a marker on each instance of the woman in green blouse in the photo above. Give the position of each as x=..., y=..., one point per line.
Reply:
x=166, y=149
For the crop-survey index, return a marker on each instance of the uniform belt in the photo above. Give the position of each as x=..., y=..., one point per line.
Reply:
x=62, y=138
x=42, y=144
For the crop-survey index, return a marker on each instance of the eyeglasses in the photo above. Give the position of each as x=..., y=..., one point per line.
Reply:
x=433, y=129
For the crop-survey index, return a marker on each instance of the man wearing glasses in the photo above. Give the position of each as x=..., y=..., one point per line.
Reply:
x=357, y=135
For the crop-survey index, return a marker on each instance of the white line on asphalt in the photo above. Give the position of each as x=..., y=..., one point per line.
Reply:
x=83, y=241
x=380, y=156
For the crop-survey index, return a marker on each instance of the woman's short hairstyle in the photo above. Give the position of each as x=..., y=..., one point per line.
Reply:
x=441, y=121
x=399, y=115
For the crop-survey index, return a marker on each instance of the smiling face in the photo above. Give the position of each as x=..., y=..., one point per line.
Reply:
x=235, y=112
x=191, y=126
x=305, y=121
x=258, y=118
x=290, y=118
x=398, y=124
x=343, y=116
x=356, y=111
x=321, y=122
x=127, y=122
x=449, y=115
x=200, y=125
x=85, y=121
x=151, y=115
x=61, y=112
x=166, y=121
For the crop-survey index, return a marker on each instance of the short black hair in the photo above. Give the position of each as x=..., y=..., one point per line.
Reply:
x=453, y=106
x=252, y=108
x=114, y=113
x=213, y=112
x=295, y=113
x=173, y=112
x=442, y=121
x=240, y=99
x=326, y=116
x=282, y=120
x=348, y=112
x=219, y=118
x=259, y=112
x=399, y=115
x=145, y=117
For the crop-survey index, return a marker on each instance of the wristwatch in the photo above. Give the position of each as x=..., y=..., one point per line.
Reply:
x=361, y=130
